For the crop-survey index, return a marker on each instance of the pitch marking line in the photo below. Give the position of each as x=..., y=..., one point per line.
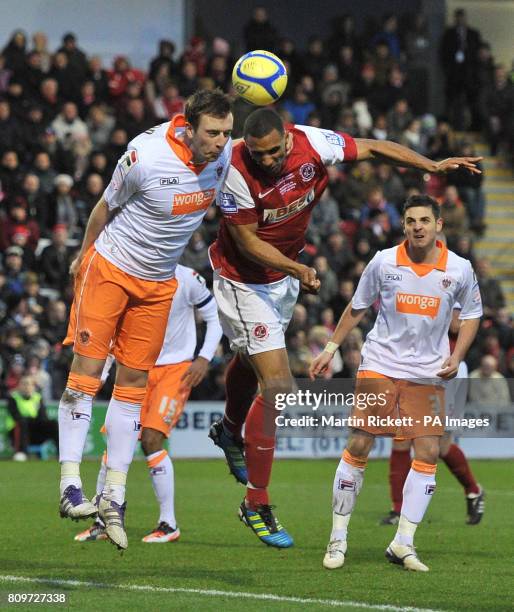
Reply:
x=213, y=593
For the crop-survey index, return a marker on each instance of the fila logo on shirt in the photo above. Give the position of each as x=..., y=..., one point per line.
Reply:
x=170, y=180
x=393, y=277
x=412, y=303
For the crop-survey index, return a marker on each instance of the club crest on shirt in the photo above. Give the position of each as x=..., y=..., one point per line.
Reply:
x=307, y=172
x=446, y=282
x=260, y=331
x=85, y=336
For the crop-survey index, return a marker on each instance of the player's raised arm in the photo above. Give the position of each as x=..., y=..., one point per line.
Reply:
x=399, y=155
x=264, y=253
x=349, y=319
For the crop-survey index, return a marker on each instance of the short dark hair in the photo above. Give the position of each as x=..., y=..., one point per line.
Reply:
x=422, y=200
x=207, y=102
x=261, y=122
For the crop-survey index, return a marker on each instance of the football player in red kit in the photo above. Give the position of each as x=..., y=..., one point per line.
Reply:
x=277, y=176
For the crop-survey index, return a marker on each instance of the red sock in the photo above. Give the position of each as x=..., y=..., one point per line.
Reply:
x=399, y=466
x=259, y=450
x=459, y=467
x=241, y=387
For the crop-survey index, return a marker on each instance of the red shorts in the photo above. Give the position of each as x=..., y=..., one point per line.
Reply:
x=164, y=403
x=113, y=308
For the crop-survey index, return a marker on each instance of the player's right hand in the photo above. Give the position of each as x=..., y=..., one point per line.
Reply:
x=320, y=364
x=75, y=265
x=308, y=279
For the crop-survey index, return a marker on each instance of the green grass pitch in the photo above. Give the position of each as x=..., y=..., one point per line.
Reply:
x=471, y=567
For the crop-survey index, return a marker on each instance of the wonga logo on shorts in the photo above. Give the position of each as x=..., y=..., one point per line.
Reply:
x=411, y=303
x=184, y=203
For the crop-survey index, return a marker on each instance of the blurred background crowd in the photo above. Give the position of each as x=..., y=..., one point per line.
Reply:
x=65, y=119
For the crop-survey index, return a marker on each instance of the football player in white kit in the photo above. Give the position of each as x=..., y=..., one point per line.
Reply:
x=170, y=382
x=124, y=285
x=404, y=357
x=455, y=396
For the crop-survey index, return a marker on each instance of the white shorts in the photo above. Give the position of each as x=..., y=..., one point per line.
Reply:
x=255, y=317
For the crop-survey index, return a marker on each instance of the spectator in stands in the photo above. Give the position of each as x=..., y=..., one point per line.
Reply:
x=10, y=129
x=100, y=125
x=453, y=213
x=487, y=386
x=165, y=107
x=120, y=76
x=299, y=106
x=36, y=302
x=398, y=119
x=76, y=57
x=327, y=277
x=389, y=36
x=49, y=99
x=55, y=322
x=259, y=33
x=458, y=53
x=43, y=170
x=99, y=77
x=13, y=265
x=55, y=259
x=14, y=51
x=31, y=76
x=443, y=143
x=40, y=44
x=188, y=79
x=88, y=197
x=470, y=190
x=164, y=58
x=5, y=76
x=392, y=186
x=33, y=129
x=500, y=107
x=360, y=180
x=136, y=119
x=375, y=201
x=344, y=32
x=10, y=172
x=63, y=211
x=69, y=127
x=342, y=298
x=490, y=288
x=28, y=423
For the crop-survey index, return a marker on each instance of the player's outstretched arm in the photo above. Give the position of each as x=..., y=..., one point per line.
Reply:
x=349, y=319
x=467, y=331
x=398, y=155
x=252, y=247
x=98, y=219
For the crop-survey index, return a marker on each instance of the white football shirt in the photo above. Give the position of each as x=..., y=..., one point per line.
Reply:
x=410, y=335
x=180, y=340
x=160, y=199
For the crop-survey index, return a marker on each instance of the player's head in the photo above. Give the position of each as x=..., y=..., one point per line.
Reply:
x=209, y=123
x=266, y=140
x=421, y=220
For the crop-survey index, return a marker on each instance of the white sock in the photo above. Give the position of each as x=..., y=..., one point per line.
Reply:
x=163, y=482
x=405, y=533
x=418, y=490
x=122, y=425
x=339, y=526
x=102, y=472
x=74, y=417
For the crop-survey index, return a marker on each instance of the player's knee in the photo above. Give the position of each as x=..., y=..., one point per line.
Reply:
x=359, y=444
x=426, y=450
x=151, y=441
x=87, y=366
x=130, y=377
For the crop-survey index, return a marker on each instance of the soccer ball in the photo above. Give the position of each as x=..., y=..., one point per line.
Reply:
x=259, y=77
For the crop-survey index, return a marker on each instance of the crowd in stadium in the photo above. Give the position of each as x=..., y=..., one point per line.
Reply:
x=65, y=120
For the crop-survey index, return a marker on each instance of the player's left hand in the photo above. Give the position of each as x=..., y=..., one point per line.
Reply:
x=454, y=163
x=195, y=373
x=450, y=368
